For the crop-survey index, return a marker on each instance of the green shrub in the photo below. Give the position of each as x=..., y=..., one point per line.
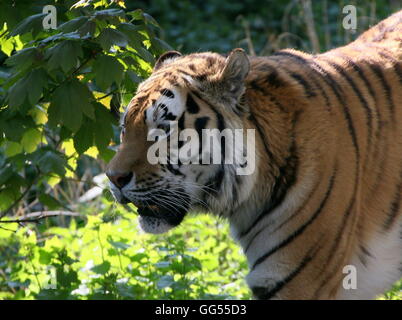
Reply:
x=104, y=256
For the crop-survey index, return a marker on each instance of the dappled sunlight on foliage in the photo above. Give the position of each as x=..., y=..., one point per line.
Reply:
x=105, y=256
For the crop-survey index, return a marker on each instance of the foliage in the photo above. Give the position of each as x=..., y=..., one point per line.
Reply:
x=102, y=256
x=259, y=26
x=62, y=89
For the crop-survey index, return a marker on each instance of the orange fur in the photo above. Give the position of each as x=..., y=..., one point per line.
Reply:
x=329, y=144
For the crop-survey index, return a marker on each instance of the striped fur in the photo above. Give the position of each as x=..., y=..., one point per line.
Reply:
x=327, y=188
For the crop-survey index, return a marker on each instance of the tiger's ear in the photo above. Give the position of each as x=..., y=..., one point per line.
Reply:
x=234, y=73
x=166, y=58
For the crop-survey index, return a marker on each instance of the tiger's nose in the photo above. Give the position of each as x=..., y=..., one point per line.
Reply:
x=119, y=179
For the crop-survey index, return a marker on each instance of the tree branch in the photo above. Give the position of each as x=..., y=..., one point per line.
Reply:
x=35, y=217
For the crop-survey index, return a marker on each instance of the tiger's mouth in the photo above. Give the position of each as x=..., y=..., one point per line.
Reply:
x=158, y=219
x=173, y=216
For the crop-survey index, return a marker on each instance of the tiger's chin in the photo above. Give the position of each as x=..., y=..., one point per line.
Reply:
x=154, y=225
x=156, y=220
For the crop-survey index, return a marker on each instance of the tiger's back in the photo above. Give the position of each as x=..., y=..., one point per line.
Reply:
x=348, y=133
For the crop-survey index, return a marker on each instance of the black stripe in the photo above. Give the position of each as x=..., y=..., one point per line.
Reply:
x=311, y=76
x=361, y=74
x=333, y=85
x=201, y=77
x=169, y=116
x=173, y=170
x=283, y=182
x=397, y=64
x=199, y=124
x=340, y=96
x=198, y=176
x=387, y=88
x=365, y=251
x=377, y=70
x=360, y=96
x=145, y=116
x=253, y=119
x=300, y=230
x=267, y=293
x=167, y=93
x=304, y=83
x=372, y=92
x=220, y=122
x=254, y=85
x=340, y=232
x=395, y=205
x=215, y=182
x=297, y=212
x=192, y=106
x=291, y=55
x=181, y=121
x=273, y=79
x=367, y=83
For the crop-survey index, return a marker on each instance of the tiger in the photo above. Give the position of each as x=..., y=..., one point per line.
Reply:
x=324, y=200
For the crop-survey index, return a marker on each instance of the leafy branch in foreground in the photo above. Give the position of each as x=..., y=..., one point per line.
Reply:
x=59, y=90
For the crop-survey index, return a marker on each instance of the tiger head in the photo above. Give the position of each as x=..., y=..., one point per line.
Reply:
x=198, y=91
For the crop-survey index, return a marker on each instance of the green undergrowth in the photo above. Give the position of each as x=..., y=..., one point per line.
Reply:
x=106, y=256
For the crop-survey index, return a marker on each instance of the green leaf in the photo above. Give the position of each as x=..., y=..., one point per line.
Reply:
x=7, y=45
x=12, y=148
x=5, y=174
x=32, y=23
x=68, y=104
x=73, y=25
x=136, y=14
x=163, y=264
x=103, y=129
x=36, y=82
x=49, y=201
x=44, y=257
x=31, y=139
x=75, y=35
x=102, y=268
x=17, y=93
x=30, y=86
x=149, y=19
x=66, y=279
x=132, y=32
x=119, y=244
x=23, y=58
x=50, y=162
x=134, y=77
x=107, y=70
x=165, y=281
x=160, y=45
x=138, y=257
x=87, y=29
x=7, y=197
x=105, y=14
x=15, y=127
x=84, y=138
x=145, y=55
x=109, y=37
x=64, y=55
